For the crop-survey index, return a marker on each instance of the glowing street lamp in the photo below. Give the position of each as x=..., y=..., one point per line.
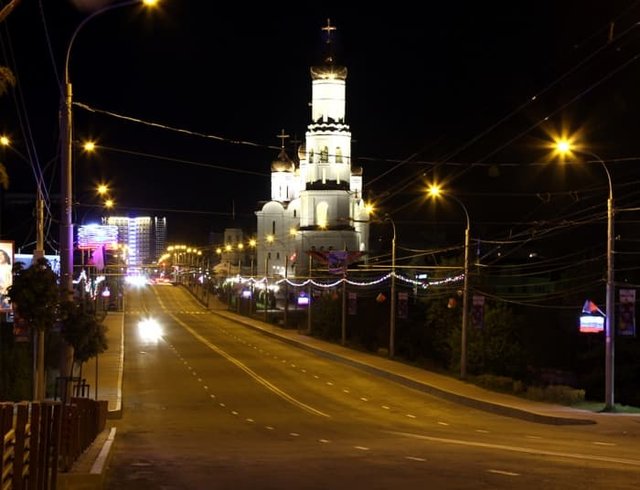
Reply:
x=252, y=244
x=66, y=157
x=435, y=191
x=102, y=189
x=565, y=147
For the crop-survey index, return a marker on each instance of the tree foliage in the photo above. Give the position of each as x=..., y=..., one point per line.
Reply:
x=34, y=294
x=83, y=331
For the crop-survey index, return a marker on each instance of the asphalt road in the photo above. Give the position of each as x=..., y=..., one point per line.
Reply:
x=213, y=404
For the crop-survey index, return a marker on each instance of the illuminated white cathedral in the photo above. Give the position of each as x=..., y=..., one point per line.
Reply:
x=318, y=203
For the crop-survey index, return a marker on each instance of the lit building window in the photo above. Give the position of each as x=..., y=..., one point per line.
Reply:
x=322, y=214
x=324, y=155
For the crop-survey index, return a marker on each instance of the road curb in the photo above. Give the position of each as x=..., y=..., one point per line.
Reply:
x=88, y=472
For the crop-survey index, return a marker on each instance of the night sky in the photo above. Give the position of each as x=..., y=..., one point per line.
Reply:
x=464, y=92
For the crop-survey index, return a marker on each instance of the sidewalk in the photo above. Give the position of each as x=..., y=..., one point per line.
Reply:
x=109, y=366
x=104, y=376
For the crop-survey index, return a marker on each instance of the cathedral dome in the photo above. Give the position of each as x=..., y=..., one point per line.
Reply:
x=328, y=71
x=302, y=152
x=283, y=163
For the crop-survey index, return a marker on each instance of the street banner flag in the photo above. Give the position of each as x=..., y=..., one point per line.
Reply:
x=403, y=305
x=592, y=318
x=477, y=311
x=353, y=303
x=627, y=317
x=97, y=258
x=337, y=261
x=591, y=308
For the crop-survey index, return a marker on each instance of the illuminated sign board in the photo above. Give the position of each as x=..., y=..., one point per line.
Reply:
x=27, y=259
x=591, y=323
x=6, y=273
x=94, y=235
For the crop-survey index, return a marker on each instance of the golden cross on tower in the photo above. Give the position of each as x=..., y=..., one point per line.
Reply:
x=328, y=28
x=282, y=137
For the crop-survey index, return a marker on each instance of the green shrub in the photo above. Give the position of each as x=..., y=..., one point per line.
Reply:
x=564, y=395
x=493, y=382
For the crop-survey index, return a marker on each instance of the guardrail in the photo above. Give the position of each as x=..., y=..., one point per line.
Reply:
x=41, y=439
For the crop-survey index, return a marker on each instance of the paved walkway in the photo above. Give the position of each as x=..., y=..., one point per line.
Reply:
x=109, y=366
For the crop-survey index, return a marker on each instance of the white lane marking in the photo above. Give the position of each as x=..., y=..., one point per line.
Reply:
x=250, y=420
x=268, y=427
x=361, y=448
x=364, y=399
x=482, y=431
x=598, y=443
x=386, y=407
x=250, y=372
x=411, y=416
x=234, y=412
x=206, y=387
x=517, y=449
x=501, y=472
x=330, y=383
x=222, y=405
x=294, y=434
x=346, y=391
x=324, y=441
x=200, y=380
x=533, y=437
x=443, y=423
x=212, y=395
x=413, y=458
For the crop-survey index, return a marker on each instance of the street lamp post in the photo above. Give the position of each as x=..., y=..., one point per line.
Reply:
x=270, y=239
x=266, y=287
x=392, y=306
x=565, y=147
x=465, y=296
x=309, y=293
x=66, y=178
x=435, y=191
x=38, y=252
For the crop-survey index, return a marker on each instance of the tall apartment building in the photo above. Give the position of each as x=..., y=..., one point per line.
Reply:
x=143, y=237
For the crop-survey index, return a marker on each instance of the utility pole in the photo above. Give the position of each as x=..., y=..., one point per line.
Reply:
x=38, y=253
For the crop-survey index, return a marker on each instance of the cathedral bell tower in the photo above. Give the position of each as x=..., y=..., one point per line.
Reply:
x=316, y=205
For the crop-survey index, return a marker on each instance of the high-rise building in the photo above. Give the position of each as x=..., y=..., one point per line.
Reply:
x=142, y=238
x=159, y=237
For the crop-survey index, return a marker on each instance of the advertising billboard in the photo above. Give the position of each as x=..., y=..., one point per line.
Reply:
x=6, y=272
x=94, y=235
